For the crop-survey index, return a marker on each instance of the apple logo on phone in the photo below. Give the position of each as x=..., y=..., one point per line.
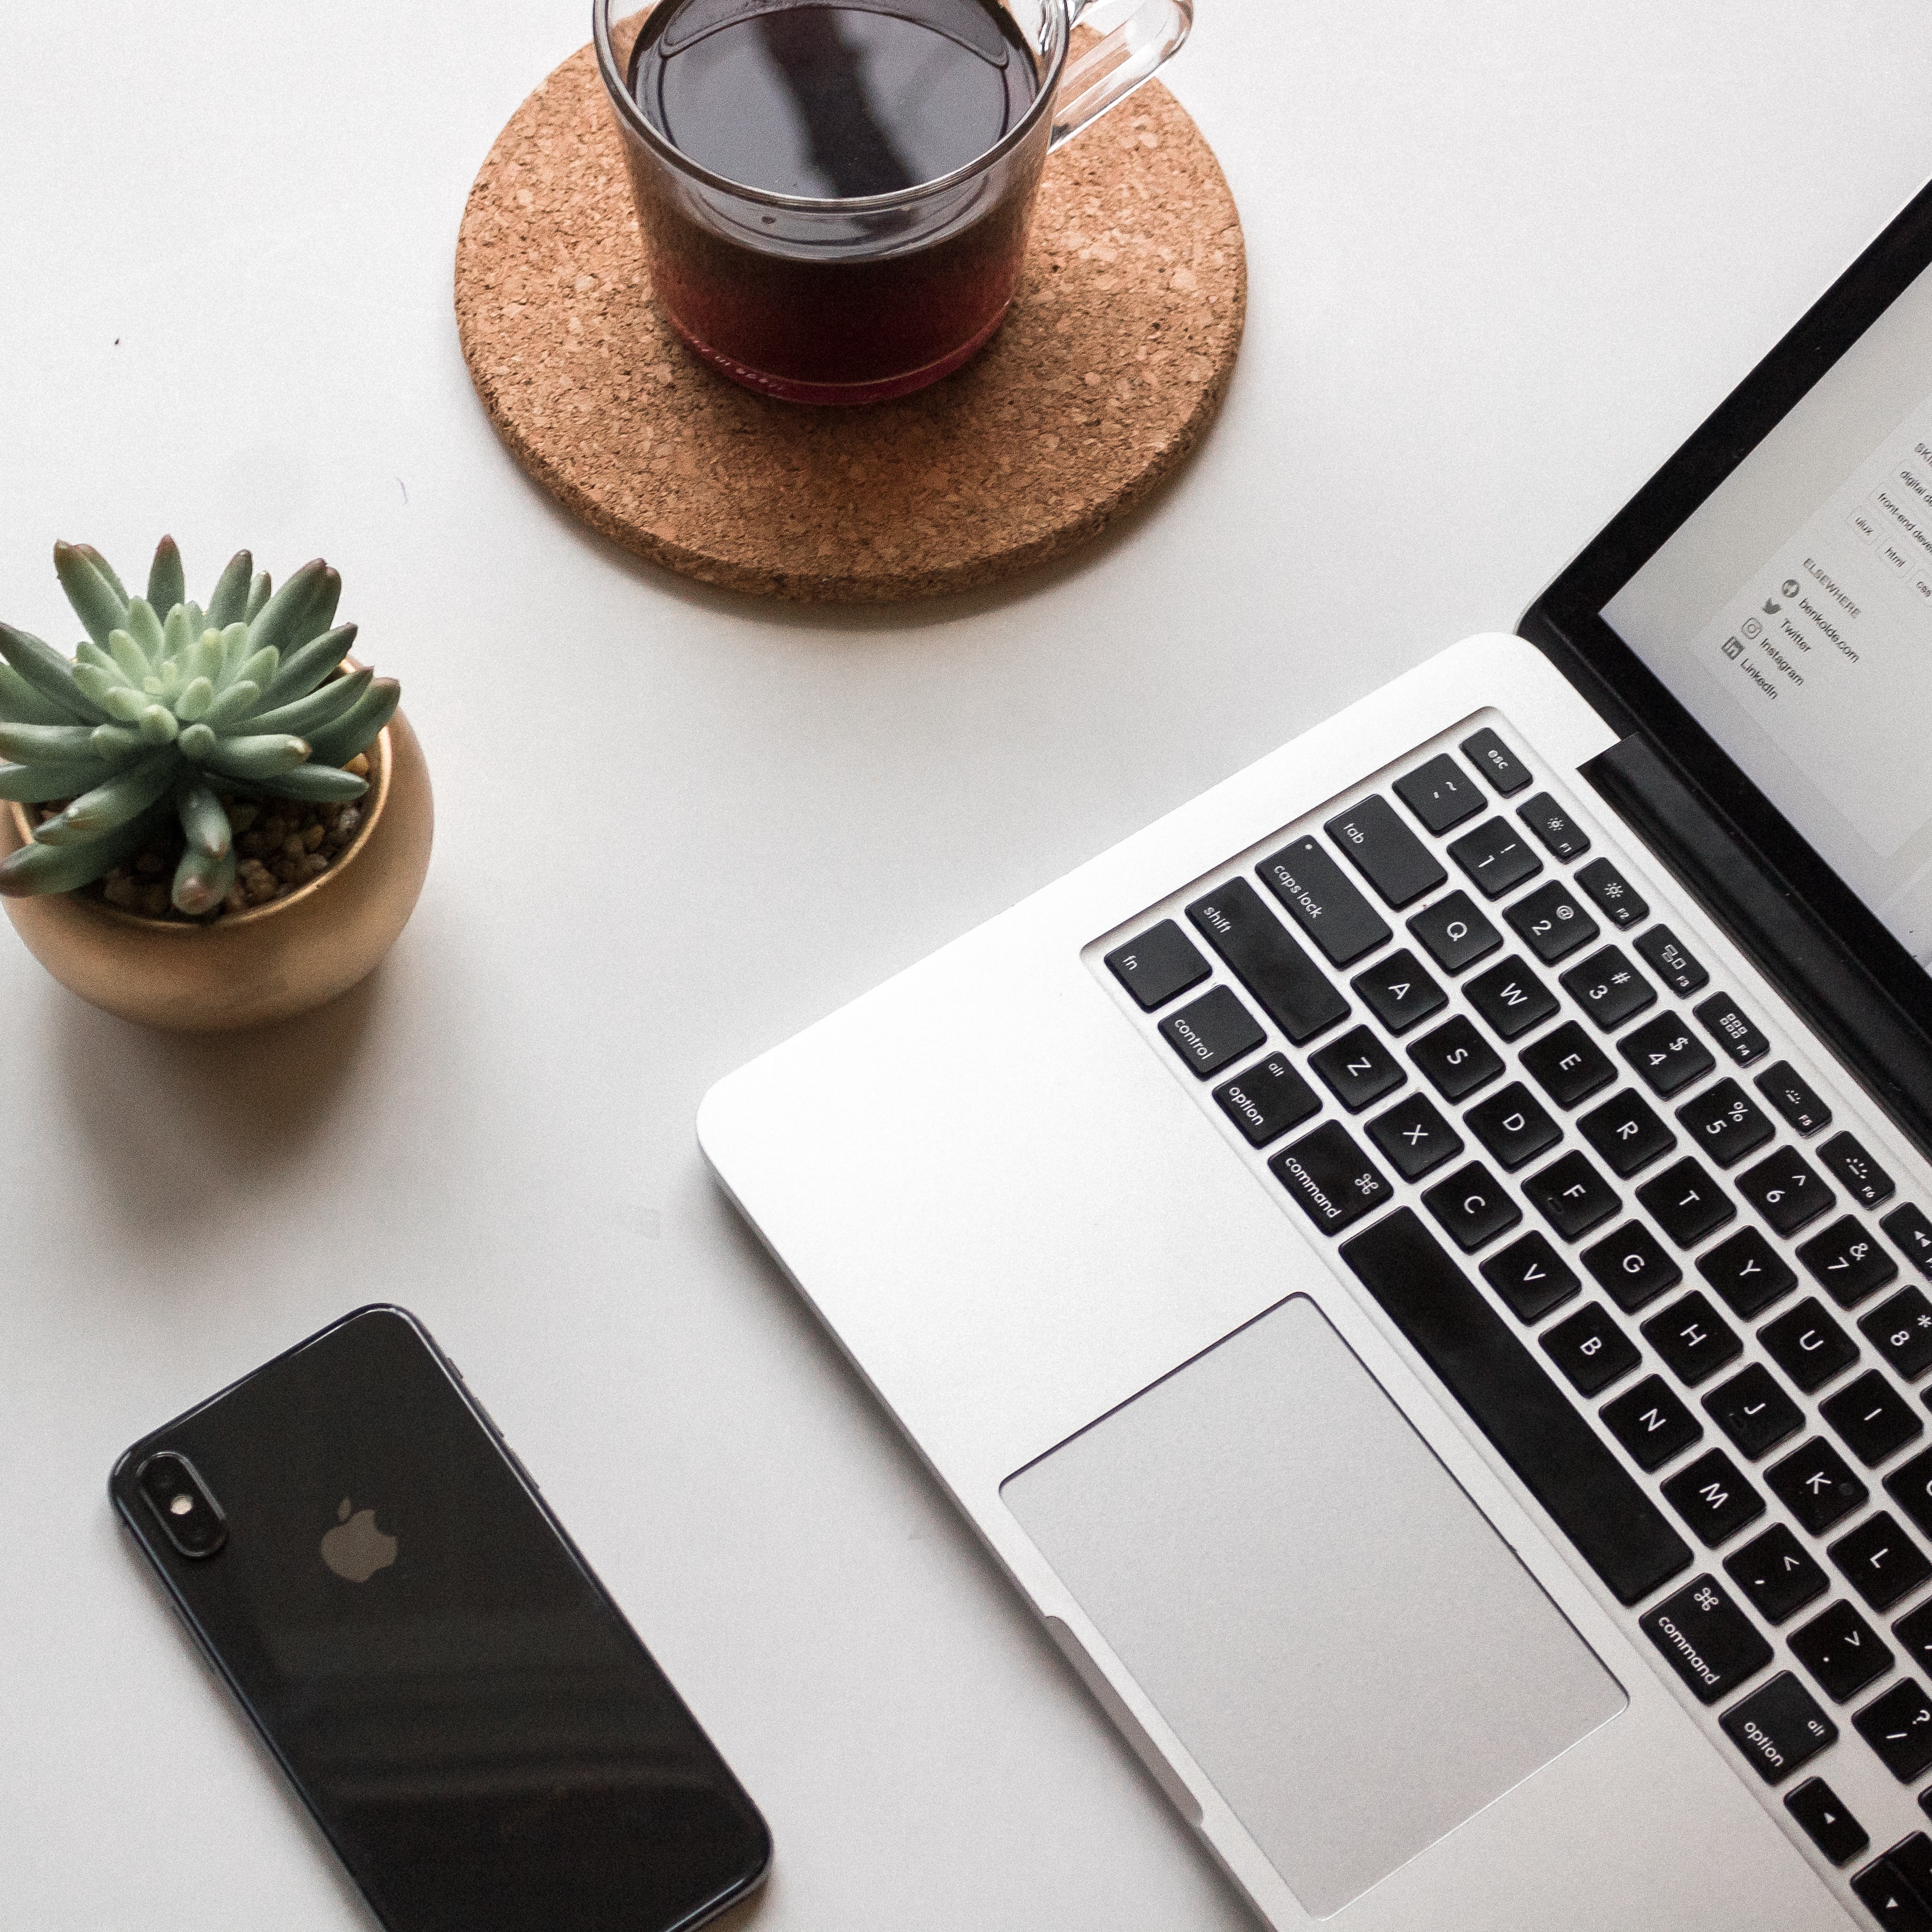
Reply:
x=355, y=1549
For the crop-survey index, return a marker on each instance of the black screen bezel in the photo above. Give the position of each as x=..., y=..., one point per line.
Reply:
x=1567, y=622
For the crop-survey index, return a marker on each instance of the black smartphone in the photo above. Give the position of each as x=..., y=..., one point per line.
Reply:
x=481, y=1735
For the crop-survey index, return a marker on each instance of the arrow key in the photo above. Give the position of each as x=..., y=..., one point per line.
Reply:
x=1827, y=1823
x=1882, y=1889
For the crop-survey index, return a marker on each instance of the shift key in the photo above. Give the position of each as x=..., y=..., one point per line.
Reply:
x=1261, y=953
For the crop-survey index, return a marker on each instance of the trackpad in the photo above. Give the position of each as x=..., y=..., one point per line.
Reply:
x=1350, y=1651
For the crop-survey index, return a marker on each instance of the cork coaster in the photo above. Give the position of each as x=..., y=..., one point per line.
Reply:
x=1112, y=362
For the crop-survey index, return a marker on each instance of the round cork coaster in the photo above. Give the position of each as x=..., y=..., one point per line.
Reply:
x=1112, y=362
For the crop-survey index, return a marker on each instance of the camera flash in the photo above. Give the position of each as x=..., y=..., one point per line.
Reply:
x=180, y=1505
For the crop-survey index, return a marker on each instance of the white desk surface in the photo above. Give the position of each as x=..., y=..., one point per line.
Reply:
x=1504, y=256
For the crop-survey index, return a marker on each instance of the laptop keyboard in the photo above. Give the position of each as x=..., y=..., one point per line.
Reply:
x=1624, y=1229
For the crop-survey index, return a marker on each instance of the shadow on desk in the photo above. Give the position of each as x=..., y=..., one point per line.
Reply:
x=180, y=1124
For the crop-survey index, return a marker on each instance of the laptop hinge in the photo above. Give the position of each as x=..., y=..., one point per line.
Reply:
x=1887, y=1053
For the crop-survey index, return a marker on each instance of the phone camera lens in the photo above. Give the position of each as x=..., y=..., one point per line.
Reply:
x=183, y=1505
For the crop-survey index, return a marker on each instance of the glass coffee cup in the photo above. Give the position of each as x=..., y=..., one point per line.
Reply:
x=835, y=195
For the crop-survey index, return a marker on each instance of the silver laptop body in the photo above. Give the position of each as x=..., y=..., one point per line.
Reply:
x=1256, y=1400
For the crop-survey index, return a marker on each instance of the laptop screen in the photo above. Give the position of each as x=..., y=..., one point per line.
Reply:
x=1791, y=615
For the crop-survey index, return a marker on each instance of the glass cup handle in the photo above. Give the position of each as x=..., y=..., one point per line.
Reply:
x=1127, y=53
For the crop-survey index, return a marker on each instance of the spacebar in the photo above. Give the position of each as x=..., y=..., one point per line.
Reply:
x=1564, y=1464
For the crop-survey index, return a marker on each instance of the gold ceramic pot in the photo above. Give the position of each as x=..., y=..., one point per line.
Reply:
x=248, y=968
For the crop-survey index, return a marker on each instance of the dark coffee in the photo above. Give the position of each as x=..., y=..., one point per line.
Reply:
x=829, y=103
x=832, y=104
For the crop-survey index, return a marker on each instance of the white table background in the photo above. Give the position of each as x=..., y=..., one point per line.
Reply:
x=1503, y=257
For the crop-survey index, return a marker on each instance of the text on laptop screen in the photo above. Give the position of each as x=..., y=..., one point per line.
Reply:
x=1792, y=616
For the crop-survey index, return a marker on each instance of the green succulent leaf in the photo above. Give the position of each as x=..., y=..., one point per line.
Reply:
x=146, y=628
x=304, y=606
x=124, y=703
x=20, y=703
x=125, y=796
x=197, y=694
x=39, y=784
x=204, y=822
x=255, y=758
x=229, y=707
x=167, y=584
x=177, y=634
x=99, y=599
x=355, y=731
x=34, y=744
x=258, y=594
x=158, y=726
x=48, y=672
x=130, y=660
x=116, y=742
x=317, y=784
x=229, y=604
x=304, y=670
x=202, y=882
x=310, y=714
x=38, y=869
x=234, y=650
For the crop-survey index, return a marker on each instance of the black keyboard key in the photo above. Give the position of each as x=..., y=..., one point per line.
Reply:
x=1898, y=1727
x=1210, y=1031
x=1880, y=1561
x=1267, y=1100
x=1911, y=1233
x=1456, y=934
x=1531, y=1276
x=1861, y=1176
x=1567, y=1064
x=1440, y=793
x=1722, y=1018
x=1495, y=761
x=1694, y=1339
x=1837, y=1834
x=1900, y=1329
x=1808, y=1345
x=1572, y=1196
x=1711, y=1496
x=1158, y=966
x=1872, y=1419
x=1473, y=1205
x=1668, y=1057
x=1914, y=1633
x=1416, y=1138
x=1667, y=955
x=1724, y=1124
x=1632, y=1265
x=1707, y=1640
x=1357, y=1069
x=1627, y=1132
x=1555, y=1451
x=1320, y=899
x=1841, y=1651
x=1753, y=1411
x=1333, y=1182
x=1687, y=1204
x=1910, y=1486
x=1513, y=1124
x=1609, y=988
x=1778, y=1727
x=1385, y=852
x=1559, y=834
x=1614, y=896
x=1747, y=1272
x=1510, y=997
x=1291, y=989
x=1551, y=923
x=1777, y=1573
x=1885, y=1892
x=1496, y=857
x=1816, y=1484
x=1651, y=1423
x=1399, y=992
x=1456, y=1059
x=1590, y=1349
x=1846, y=1262
x=1786, y=1190
x=1802, y=1111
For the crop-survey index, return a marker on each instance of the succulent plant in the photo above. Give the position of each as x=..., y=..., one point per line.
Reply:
x=167, y=708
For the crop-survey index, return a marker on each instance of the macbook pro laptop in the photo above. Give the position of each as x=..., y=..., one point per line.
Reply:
x=1416, y=1263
